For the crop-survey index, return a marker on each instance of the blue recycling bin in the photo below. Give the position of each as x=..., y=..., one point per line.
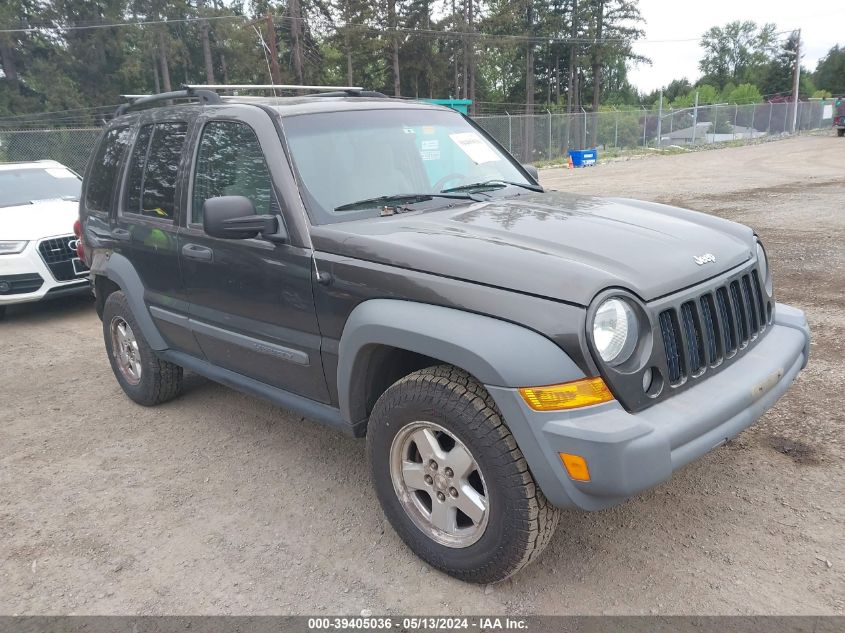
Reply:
x=584, y=157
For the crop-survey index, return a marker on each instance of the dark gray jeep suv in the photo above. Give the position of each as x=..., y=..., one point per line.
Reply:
x=386, y=268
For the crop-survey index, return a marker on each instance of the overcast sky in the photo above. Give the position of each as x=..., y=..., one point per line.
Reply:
x=822, y=24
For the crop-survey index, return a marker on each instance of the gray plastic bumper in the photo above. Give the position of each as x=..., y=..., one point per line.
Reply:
x=628, y=453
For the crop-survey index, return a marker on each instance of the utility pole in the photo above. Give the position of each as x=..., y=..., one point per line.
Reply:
x=275, y=73
x=796, y=78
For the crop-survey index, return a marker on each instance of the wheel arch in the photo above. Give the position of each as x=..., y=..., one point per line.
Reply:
x=386, y=339
x=118, y=273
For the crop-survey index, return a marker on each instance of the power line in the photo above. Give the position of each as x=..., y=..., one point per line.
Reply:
x=82, y=27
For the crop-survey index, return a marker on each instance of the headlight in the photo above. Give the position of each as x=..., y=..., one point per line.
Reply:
x=763, y=265
x=10, y=248
x=615, y=331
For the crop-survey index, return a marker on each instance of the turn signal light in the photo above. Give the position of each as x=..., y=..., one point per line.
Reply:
x=576, y=466
x=567, y=395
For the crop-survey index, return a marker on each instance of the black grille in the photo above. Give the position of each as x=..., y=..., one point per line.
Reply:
x=20, y=284
x=739, y=313
x=58, y=255
x=710, y=332
x=706, y=330
x=693, y=335
x=672, y=343
x=726, y=315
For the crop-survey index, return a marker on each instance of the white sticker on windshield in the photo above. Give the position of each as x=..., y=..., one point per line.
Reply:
x=60, y=173
x=475, y=147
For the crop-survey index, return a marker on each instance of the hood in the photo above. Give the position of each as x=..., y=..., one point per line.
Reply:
x=554, y=244
x=44, y=218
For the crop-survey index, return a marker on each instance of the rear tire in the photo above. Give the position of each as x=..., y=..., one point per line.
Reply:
x=443, y=415
x=840, y=132
x=143, y=376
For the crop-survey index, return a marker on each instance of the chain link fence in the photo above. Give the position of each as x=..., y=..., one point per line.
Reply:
x=549, y=136
x=529, y=137
x=69, y=146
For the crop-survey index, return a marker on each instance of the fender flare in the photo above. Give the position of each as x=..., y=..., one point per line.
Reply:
x=121, y=271
x=495, y=352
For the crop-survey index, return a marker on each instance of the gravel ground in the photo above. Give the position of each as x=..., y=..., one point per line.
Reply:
x=219, y=503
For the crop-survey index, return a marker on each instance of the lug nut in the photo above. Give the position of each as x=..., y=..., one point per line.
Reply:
x=428, y=479
x=432, y=464
x=448, y=472
x=441, y=496
x=453, y=492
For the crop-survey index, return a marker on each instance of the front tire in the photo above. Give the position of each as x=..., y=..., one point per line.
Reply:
x=144, y=377
x=840, y=132
x=451, y=479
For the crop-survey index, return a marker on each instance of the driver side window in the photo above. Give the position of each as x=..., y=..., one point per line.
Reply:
x=230, y=163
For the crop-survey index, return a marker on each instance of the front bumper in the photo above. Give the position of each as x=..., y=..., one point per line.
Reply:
x=25, y=277
x=628, y=453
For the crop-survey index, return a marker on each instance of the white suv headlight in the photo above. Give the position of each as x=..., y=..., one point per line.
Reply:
x=615, y=331
x=10, y=248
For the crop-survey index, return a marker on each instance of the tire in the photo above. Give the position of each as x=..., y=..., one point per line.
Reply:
x=448, y=405
x=2, y=312
x=840, y=132
x=144, y=377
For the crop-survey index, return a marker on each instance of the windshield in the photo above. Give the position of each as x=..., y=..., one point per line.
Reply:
x=25, y=186
x=343, y=158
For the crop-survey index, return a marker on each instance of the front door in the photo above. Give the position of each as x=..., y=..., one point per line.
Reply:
x=251, y=303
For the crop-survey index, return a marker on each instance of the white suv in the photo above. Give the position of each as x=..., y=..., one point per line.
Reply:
x=39, y=203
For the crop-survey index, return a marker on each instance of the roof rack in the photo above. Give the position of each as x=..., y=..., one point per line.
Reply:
x=206, y=94
x=270, y=87
x=203, y=96
x=320, y=91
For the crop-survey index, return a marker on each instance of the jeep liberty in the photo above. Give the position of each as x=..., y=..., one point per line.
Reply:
x=385, y=267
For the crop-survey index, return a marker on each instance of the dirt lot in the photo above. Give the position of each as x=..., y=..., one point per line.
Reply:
x=220, y=503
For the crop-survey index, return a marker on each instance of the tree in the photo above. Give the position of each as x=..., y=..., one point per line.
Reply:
x=613, y=25
x=733, y=52
x=830, y=72
x=744, y=93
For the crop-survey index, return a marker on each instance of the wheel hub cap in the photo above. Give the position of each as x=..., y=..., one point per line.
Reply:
x=125, y=350
x=439, y=484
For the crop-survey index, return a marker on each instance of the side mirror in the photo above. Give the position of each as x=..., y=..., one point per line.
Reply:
x=532, y=171
x=233, y=218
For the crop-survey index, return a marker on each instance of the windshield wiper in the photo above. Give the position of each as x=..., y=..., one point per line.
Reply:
x=401, y=200
x=494, y=184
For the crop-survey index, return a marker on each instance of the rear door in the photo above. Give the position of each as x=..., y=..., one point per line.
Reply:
x=147, y=222
x=251, y=302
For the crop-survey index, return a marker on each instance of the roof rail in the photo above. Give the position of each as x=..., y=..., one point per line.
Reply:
x=203, y=96
x=321, y=91
x=270, y=87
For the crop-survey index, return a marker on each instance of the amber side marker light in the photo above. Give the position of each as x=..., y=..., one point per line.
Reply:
x=576, y=466
x=567, y=395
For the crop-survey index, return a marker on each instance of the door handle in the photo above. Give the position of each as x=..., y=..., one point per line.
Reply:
x=200, y=253
x=121, y=235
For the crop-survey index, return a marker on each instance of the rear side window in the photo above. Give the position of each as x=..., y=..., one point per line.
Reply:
x=230, y=163
x=151, y=186
x=104, y=171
